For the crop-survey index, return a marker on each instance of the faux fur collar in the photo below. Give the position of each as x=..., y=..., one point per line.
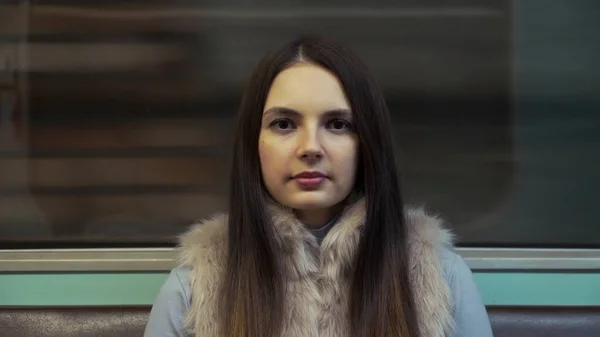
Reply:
x=317, y=276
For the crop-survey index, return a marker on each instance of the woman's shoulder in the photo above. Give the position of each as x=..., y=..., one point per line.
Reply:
x=454, y=266
x=181, y=274
x=451, y=262
x=201, y=256
x=167, y=317
x=470, y=314
x=177, y=284
x=203, y=242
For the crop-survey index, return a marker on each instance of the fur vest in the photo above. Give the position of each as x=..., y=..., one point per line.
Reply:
x=317, y=297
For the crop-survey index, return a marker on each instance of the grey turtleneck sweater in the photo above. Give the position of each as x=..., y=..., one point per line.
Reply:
x=321, y=233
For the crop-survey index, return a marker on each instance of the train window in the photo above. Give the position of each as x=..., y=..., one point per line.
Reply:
x=116, y=118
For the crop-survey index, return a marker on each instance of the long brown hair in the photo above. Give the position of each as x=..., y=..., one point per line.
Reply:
x=381, y=299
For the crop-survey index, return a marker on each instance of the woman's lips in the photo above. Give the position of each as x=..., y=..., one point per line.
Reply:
x=310, y=183
x=310, y=180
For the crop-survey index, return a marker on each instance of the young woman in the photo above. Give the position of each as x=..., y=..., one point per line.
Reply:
x=317, y=241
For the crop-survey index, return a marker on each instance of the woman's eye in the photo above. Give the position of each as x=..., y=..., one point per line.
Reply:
x=339, y=125
x=282, y=124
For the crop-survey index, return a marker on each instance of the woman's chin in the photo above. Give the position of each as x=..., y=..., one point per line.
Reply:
x=311, y=201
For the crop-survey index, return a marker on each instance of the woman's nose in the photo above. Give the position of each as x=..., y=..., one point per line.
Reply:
x=310, y=148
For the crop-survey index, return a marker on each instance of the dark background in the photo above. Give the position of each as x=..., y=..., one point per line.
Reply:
x=117, y=116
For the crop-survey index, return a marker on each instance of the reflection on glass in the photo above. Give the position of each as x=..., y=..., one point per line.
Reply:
x=116, y=116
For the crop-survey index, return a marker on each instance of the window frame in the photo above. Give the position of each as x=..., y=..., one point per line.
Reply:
x=164, y=259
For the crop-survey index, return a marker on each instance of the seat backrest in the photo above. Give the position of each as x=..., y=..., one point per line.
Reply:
x=85, y=321
x=130, y=321
x=551, y=321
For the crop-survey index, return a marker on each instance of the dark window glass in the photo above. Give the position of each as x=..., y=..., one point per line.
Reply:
x=116, y=117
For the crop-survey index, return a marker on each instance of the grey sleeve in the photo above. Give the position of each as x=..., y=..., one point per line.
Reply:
x=168, y=312
x=470, y=315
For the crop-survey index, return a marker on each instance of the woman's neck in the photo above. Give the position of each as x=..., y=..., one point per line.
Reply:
x=312, y=219
x=317, y=218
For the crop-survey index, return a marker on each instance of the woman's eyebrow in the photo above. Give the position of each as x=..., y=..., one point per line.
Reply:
x=344, y=113
x=340, y=113
x=281, y=111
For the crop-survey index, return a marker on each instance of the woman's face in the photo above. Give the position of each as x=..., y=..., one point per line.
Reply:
x=307, y=145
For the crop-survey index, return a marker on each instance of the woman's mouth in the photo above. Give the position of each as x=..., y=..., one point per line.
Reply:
x=309, y=179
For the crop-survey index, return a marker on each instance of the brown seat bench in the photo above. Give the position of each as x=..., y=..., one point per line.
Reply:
x=129, y=321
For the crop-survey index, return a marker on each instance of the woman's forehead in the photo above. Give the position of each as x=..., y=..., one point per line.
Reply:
x=306, y=87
